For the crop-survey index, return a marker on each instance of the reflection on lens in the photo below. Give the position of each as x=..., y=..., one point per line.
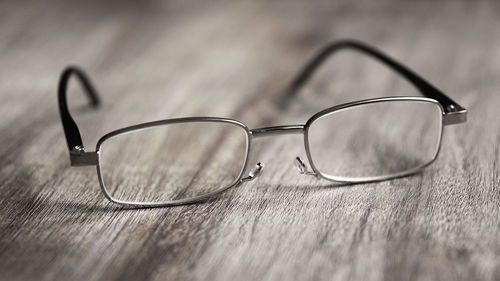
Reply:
x=375, y=140
x=172, y=162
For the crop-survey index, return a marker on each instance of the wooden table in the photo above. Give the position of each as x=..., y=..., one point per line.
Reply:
x=153, y=60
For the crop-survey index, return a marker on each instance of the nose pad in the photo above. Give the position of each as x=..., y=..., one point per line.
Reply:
x=257, y=170
x=302, y=167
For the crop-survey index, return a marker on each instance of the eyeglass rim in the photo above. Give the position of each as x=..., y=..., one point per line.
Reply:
x=142, y=126
x=249, y=137
x=353, y=104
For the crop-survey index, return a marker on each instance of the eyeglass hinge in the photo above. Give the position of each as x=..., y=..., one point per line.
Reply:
x=78, y=157
x=454, y=115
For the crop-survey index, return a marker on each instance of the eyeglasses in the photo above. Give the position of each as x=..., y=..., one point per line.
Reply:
x=185, y=160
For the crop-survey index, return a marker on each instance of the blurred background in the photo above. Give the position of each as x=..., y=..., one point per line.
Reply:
x=162, y=59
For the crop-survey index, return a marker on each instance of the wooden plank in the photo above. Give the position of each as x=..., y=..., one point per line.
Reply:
x=163, y=60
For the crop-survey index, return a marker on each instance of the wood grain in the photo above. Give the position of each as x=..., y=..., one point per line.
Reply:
x=153, y=60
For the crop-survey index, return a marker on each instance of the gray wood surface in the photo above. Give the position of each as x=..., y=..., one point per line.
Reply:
x=153, y=60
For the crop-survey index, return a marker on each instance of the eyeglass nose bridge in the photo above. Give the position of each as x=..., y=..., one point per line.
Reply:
x=284, y=130
x=278, y=130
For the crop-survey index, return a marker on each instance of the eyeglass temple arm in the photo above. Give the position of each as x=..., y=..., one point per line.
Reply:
x=454, y=113
x=73, y=138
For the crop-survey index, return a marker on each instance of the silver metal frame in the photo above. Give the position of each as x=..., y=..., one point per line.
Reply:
x=334, y=109
x=82, y=158
x=142, y=126
x=452, y=113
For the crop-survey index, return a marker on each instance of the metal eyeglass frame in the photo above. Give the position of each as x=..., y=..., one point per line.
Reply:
x=452, y=113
